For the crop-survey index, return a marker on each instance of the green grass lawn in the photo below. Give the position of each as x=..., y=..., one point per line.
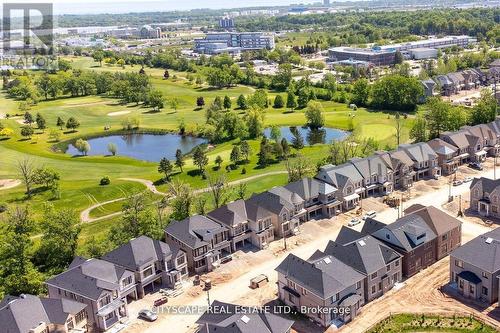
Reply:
x=413, y=323
x=80, y=175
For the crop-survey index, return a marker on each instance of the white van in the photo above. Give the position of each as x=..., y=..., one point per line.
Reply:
x=371, y=214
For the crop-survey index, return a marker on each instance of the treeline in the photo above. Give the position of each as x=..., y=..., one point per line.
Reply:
x=128, y=87
x=377, y=26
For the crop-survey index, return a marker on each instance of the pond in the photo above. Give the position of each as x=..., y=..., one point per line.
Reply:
x=146, y=147
x=310, y=136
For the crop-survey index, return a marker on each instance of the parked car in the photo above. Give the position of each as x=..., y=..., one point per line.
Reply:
x=148, y=315
x=353, y=222
x=457, y=182
x=476, y=166
x=467, y=179
x=371, y=214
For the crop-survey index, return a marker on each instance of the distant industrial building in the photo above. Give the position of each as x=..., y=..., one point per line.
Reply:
x=376, y=56
x=148, y=32
x=233, y=42
x=385, y=55
x=326, y=3
x=226, y=23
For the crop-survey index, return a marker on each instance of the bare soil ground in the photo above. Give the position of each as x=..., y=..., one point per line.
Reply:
x=5, y=184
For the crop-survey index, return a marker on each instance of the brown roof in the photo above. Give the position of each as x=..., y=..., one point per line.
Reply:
x=436, y=219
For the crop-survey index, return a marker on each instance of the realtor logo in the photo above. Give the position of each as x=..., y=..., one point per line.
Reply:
x=28, y=36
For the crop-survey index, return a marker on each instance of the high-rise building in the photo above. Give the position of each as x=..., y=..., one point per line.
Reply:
x=326, y=3
x=226, y=23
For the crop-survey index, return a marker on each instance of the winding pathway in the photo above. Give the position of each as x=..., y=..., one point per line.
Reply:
x=85, y=214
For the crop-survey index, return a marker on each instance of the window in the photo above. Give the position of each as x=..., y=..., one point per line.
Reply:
x=80, y=316
x=358, y=285
x=471, y=289
x=379, y=286
x=103, y=301
x=388, y=267
x=291, y=284
x=304, y=291
x=291, y=298
x=484, y=291
x=181, y=260
x=396, y=263
x=374, y=276
x=445, y=237
x=484, y=275
x=334, y=298
x=459, y=263
x=373, y=289
x=148, y=272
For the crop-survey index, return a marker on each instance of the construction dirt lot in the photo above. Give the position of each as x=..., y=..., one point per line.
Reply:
x=422, y=293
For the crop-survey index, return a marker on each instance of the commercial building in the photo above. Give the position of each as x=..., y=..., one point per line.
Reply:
x=233, y=42
x=376, y=56
x=226, y=23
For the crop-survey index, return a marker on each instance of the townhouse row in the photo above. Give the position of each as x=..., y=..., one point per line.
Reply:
x=452, y=83
x=209, y=240
x=94, y=294
x=359, y=267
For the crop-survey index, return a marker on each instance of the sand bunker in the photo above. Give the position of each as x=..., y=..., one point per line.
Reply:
x=118, y=113
x=5, y=184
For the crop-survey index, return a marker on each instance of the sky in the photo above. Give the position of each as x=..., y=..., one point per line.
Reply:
x=128, y=6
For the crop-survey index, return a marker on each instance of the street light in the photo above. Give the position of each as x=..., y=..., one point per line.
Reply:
x=207, y=287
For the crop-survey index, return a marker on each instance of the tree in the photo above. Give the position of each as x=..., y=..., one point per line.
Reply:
x=174, y=103
x=242, y=102
x=47, y=177
x=112, y=148
x=299, y=168
x=235, y=155
x=54, y=135
x=181, y=199
x=218, y=161
x=26, y=170
x=166, y=168
x=218, y=186
x=200, y=102
x=60, y=230
x=264, y=155
x=27, y=131
x=40, y=122
x=166, y=74
x=60, y=123
x=98, y=56
x=200, y=159
x=398, y=57
x=275, y=133
x=82, y=146
x=285, y=147
x=241, y=190
x=291, y=100
x=315, y=115
x=437, y=116
x=418, y=132
x=227, y=102
x=72, y=124
x=18, y=275
x=218, y=103
x=396, y=92
x=278, y=102
x=298, y=140
x=360, y=92
x=485, y=110
x=200, y=204
x=245, y=150
x=179, y=159
x=156, y=100
x=28, y=118
x=255, y=122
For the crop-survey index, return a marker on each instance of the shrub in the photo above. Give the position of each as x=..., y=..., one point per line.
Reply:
x=3, y=207
x=243, y=171
x=105, y=181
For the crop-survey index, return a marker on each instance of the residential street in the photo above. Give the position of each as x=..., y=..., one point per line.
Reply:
x=420, y=293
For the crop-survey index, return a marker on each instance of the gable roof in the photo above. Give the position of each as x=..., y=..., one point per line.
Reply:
x=461, y=139
x=488, y=185
x=419, y=152
x=372, y=165
x=91, y=278
x=439, y=221
x=193, y=230
x=138, y=252
x=365, y=254
x=236, y=319
x=308, y=188
x=323, y=275
x=402, y=232
x=23, y=313
x=442, y=147
x=339, y=175
x=400, y=156
x=482, y=252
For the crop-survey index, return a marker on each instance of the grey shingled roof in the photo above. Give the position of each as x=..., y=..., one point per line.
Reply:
x=442, y=147
x=308, y=188
x=324, y=278
x=439, y=221
x=461, y=139
x=400, y=231
x=230, y=318
x=372, y=165
x=365, y=253
x=400, y=156
x=488, y=185
x=480, y=253
x=91, y=278
x=419, y=152
x=339, y=175
x=21, y=314
x=274, y=202
x=138, y=252
x=192, y=230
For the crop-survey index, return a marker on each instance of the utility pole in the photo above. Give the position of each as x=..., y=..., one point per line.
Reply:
x=495, y=167
x=284, y=236
x=402, y=211
x=460, y=213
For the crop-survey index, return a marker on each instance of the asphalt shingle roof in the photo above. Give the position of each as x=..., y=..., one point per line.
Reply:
x=482, y=252
x=192, y=230
x=231, y=318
